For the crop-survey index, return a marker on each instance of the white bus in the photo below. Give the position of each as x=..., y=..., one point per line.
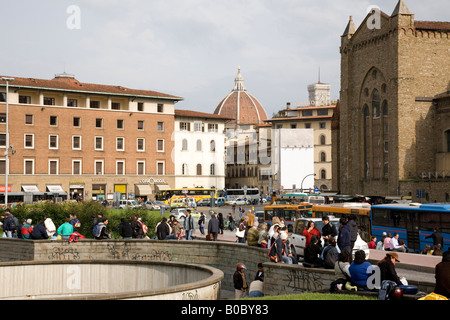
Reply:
x=251, y=194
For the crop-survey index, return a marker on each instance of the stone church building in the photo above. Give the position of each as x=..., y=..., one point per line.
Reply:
x=391, y=131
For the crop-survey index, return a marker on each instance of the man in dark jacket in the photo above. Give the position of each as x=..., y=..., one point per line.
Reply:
x=351, y=221
x=344, y=238
x=162, y=230
x=443, y=276
x=39, y=232
x=125, y=230
x=437, y=238
x=328, y=229
x=10, y=224
x=213, y=226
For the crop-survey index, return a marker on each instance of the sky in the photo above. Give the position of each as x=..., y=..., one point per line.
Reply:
x=190, y=48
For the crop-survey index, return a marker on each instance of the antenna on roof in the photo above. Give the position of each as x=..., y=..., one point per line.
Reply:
x=319, y=74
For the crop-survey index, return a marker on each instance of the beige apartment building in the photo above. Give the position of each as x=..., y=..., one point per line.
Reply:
x=85, y=141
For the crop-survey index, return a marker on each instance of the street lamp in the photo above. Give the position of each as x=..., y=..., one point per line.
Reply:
x=312, y=174
x=7, y=139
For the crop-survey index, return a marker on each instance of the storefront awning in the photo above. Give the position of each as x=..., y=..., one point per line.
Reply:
x=55, y=188
x=143, y=190
x=163, y=187
x=30, y=188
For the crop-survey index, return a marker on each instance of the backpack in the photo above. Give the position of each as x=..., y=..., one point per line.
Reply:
x=144, y=227
x=97, y=230
x=387, y=286
x=77, y=223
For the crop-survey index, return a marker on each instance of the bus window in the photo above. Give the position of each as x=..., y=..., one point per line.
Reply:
x=268, y=215
x=444, y=226
x=430, y=220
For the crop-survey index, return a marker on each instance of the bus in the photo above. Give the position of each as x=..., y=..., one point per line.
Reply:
x=290, y=212
x=303, y=197
x=196, y=193
x=359, y=209
x=413, y=222
x=252, y=194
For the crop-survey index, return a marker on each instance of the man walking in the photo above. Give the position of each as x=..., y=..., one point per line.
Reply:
x=189, y=224
x=213, y=226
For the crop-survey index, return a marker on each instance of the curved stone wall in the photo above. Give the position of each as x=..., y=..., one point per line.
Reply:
x=99, y=280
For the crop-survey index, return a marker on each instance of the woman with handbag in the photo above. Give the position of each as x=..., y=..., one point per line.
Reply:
x=240, y=233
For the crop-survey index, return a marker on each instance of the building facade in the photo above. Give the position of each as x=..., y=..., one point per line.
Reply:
x=86, y=141
x=317, y=117
x=393, y=125
x=199, y=149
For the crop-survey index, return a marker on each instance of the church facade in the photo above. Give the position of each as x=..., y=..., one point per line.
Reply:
x=393, y=127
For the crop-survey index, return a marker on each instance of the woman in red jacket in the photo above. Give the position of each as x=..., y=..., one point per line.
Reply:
x=309, y=231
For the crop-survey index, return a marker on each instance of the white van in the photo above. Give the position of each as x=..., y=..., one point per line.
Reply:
x=128, y=204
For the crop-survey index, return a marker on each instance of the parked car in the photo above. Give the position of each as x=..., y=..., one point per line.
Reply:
x=161, y=204
x=205, y=202
x=152, y=205
x=259, y=216
x=298, y=240
x=238, y=202
x=220, y=201
x=128, y=204
x=180, y=213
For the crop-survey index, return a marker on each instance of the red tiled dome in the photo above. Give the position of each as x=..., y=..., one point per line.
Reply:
x=241, y=105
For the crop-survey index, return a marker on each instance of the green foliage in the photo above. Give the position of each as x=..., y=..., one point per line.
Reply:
x=85, y=211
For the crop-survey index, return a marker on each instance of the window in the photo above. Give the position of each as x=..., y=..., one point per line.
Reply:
x=185, y=126
x=120, y=144
x=115, y=105
x=307, y=113
x=322, y=139
x=322, y=125
x=293, y=126
x=198, y=125
x=99, y=123
x=141, y=168
x=49, y=101
x=3, y=140
x=160, y=145
x=160, y=108
x=99, y=143
x=120, y=167
x=94, y=104
x=385, y=108
x=376, y=103
x=212, y=169
x=119, y=123
x=199, y=169
x=160, y=126
x=2, y=167
x=140, y=144
x=98, y=166
x=53, y=166
x=140, y=125
x=76, y=167
x=72, y=102
x=53, y=142
x=76, y=142
x=29, y=119
x=322, y=112
x=447, y=135
x=184, y=145
x=76, y=122
x=212, y=146
x=140, y=106
x=213, y=127
x=2, y=117
x=160, y=168
x=28, y=166
x=25, y=99
x=184, y=169
x=29, y=141
x=53, y=121
x=307, y=125
x=323, y=174
x=323, y=157
x=199, y=145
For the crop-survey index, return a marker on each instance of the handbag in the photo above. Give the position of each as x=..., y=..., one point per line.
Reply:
x=209, y=237
x=240, y=234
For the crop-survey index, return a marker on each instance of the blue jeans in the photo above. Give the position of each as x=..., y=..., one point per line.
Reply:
x=188, y=234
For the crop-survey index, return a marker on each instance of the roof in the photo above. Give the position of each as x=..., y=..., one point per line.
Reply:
x=240, y=105
x=196, y=114
x=432, y=25
x=65, y=82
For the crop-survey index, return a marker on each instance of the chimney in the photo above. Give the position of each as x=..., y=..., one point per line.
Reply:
x=288, y=105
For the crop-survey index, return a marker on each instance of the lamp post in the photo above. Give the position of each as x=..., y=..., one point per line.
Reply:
x=312, y=174
x=7, y=139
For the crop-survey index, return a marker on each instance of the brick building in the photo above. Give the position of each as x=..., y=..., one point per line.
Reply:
x=393, y=127
x=79, y=140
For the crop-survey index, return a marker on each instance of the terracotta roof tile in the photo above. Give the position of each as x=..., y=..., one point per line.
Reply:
x=72, y=84
x=196, y=114
x=432, y=25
